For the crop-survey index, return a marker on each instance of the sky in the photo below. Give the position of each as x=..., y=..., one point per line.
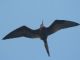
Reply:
x=63, y=45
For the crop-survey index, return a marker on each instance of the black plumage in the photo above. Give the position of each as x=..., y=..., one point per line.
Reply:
x=43, y=32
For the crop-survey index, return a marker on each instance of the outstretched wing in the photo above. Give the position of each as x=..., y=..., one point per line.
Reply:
x=22, y=32
x=60, y=24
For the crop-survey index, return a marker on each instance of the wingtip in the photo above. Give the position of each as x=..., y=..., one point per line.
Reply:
x=4, y=38
x=77, y=24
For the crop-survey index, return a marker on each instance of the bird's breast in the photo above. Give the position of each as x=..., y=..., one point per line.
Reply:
x=43, y=32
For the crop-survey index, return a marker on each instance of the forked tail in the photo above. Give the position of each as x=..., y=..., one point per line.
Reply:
x=46, y=47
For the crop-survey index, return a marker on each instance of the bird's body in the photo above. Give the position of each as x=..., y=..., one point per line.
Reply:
x=42, y=33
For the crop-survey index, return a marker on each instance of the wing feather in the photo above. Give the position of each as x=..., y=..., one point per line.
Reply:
x=22, y=32
x=60, y=24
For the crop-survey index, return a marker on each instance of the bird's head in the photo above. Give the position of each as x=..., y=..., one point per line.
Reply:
x=42, y=25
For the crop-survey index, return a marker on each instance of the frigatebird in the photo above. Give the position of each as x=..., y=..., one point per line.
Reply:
x=42, y=32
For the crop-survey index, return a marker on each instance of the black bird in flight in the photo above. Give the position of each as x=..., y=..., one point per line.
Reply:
x=42, y=32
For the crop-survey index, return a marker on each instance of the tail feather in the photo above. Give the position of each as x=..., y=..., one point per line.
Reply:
x=46, y=47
